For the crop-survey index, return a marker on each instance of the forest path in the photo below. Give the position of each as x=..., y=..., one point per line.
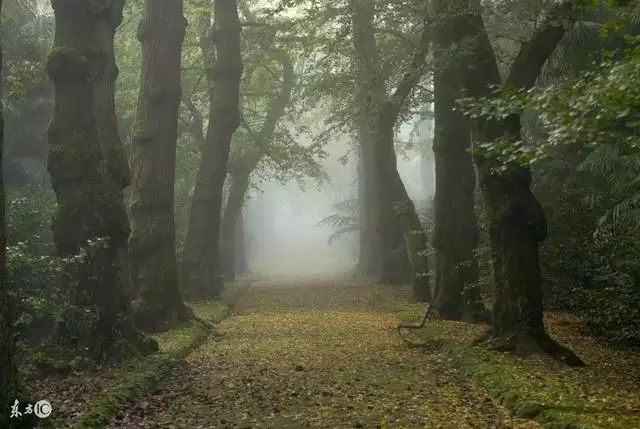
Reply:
x=314, y=353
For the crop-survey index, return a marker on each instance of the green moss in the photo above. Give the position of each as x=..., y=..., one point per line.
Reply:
x=546, y=400
x=139, y=376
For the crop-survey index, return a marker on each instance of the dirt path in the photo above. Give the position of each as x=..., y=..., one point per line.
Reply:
x=314, y=354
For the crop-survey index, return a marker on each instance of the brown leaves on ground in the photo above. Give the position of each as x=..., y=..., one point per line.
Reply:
x=609, y=383
x=314, y=354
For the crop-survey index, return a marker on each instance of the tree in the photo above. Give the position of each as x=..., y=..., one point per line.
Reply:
x=152, y=246
x=90, y=223
x=8, y=372
x=248, y=162
x=455, y=232
x=380, y=230
x=517, y=220
x=379, y=112
x=200, y=271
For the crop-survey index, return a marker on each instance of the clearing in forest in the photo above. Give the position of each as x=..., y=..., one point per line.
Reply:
x=314, y=353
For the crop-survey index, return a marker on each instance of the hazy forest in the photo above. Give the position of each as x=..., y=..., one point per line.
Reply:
x=320, y=214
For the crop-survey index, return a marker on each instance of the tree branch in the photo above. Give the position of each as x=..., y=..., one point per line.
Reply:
x=394, y=104
x=534, y=53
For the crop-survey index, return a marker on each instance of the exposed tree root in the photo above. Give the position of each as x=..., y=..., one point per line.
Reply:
x=527, y=343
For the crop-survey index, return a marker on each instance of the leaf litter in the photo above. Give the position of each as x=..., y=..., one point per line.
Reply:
x=314, y=354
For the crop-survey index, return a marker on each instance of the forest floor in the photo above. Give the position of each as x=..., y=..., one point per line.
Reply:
x=315, y=353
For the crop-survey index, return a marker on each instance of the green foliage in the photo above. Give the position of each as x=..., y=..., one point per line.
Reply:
x=347, y=220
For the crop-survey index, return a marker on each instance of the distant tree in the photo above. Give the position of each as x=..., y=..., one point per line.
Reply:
x=90, y=222
x=152, y=246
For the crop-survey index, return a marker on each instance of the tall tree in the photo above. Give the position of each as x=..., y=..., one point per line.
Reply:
x=200, y=269
x=517, y=220
x=152, y=246
x=381, y=229
x=8, y=372
x=378, y=116
x=249, y=161
x=115, y=164
x=89, y=204
x=456, y=231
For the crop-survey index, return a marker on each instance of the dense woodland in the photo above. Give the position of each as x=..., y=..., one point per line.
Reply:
x=134, y=131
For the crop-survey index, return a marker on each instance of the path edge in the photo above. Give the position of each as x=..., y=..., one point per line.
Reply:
x=153, y=369
x=484, y=372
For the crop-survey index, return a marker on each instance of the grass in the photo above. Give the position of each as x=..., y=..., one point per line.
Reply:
x=537, y=387
x=137, y=377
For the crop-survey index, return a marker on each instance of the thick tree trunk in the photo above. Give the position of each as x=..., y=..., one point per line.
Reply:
x=115, y=163
x=152, y=247
x=9, y=383
x=369, y=260
x=90, y=206
x=517, y=220
x=380, y=230
x=201, y=272
x=456, y=231
x=393, y=190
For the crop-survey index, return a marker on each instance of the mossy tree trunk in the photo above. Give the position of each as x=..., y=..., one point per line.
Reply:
x=381, y=233
x=89, y=204
x=456, y=231
x=152, y=247
x=516, y=218
x=245, y=166
x=200, y=269
x=115, y=163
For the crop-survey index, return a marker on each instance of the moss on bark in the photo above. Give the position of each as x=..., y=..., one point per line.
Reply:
x=152, y=246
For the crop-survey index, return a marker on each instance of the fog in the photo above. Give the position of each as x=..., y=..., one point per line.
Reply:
x=283, y=237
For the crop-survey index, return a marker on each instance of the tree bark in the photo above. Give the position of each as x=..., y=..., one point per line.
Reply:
x=233, y=209
x=517, y=220
x=241, y=260
x=380, y=230
x=115, y=164
x=456, y=231
x=89, y=205
x=9, y=383
x=152, y=246
x=201, y=271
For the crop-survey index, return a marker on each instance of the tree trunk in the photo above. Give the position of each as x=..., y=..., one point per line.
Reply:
x=89, y=204
x=201, y=272
x=516, y=218
x=232, y=211
x=456, y=229
x=380, y=230
x=9, y=383
x=393, y=190
x=369, y=260
x=115, y=163
x=242, y=264
x=153, y=265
